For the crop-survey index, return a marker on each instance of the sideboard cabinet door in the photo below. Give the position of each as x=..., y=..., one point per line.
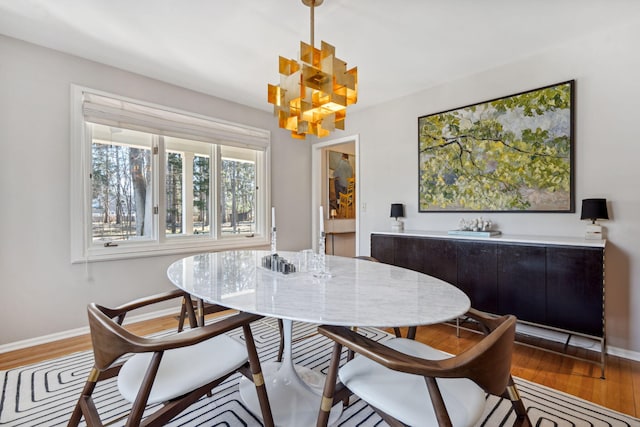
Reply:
x=521, y=282
x=553, y=285
x=477, y=274
x=382, y=248
x=435, y=257
x=575, y=289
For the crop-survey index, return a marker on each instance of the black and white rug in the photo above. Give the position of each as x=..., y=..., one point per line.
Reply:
x=44, y=394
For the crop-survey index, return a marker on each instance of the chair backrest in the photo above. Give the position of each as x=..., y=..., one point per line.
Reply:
x=488, y=363
x=110, y=340
x=351, y=185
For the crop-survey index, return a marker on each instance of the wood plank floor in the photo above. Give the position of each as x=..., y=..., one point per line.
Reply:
x=620, y=390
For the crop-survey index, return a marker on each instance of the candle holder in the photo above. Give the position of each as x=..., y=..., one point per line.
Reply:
x=273, y=241
x=321, y=269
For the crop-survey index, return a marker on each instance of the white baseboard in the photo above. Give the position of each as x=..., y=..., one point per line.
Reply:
x=577, y=341
x=18, y=345
x=623, y=353
x=531, y=330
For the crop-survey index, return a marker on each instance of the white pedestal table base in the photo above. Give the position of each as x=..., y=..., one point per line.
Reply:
x=295, y=392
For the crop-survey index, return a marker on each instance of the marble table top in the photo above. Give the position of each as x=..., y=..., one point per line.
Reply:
x=358, y=293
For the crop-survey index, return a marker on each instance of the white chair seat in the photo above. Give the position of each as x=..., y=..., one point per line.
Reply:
x=405, y=396
x=183, y=369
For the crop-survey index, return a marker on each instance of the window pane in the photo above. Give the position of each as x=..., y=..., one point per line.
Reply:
x=151, y=179
x=238, y=191
x=201, y=195
x=121, y=193
x=173, y=186
x=187, y=187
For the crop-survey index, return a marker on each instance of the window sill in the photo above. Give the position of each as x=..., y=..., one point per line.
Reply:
x=144, y=250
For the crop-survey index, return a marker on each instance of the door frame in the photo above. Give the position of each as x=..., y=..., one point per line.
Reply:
x=316, y=185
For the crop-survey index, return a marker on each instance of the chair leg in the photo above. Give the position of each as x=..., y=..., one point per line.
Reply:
x=183, y=314
x=258, y=377
x=89, y=386
x=329, y=387
x=140, y=403
x=351, y=354
x=200, y=312
x=186, y=311
x=411, y=333
x=281, y=346
x=438, y=403
x=522, y=418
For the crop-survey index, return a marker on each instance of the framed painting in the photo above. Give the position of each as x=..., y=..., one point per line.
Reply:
x=509, y=154
x=341, y=185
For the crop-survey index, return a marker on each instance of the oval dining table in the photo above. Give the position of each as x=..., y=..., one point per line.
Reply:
x=354, y=293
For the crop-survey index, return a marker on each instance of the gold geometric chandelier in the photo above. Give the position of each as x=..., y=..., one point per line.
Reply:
x=314, y=93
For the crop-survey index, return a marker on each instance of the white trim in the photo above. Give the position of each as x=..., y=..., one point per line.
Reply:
x=623, y=353
x=316, y=185
x=18, y=345
x=45, y=339
x=576, y=341
x=105, y=107
x=187, y=246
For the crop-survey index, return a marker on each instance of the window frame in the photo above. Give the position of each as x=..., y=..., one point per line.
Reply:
x=223, y=133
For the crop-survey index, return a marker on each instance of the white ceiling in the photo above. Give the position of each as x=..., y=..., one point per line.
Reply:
x=230, y=48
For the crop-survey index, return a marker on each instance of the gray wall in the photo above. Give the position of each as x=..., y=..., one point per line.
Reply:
x=41, y=292
x=605, y=68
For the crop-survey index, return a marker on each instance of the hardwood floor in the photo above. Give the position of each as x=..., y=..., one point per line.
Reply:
x=620, y=390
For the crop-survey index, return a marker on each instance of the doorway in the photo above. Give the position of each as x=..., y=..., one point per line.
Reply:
x=335, y=186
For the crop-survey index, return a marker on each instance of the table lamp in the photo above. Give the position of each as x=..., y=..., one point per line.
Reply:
x=594, y=209
x=397, y=211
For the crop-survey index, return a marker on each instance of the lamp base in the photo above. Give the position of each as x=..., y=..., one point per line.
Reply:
x=593, y=232
x=397, y=226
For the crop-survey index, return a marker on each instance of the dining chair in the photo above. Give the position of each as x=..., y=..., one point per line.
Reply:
x=410, y=383
x=195, y=315
x=346, y=200
x=174, y=370
x=196, y=309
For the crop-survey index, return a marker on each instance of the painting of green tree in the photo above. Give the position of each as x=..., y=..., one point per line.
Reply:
x=508, y=154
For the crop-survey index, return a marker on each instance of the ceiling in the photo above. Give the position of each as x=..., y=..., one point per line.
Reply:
x=230, y=48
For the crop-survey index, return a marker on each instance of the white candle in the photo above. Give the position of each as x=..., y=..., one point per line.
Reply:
x=273, y=218
x=321, y=220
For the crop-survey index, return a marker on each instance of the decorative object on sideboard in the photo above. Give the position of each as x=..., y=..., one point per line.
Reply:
x=397, y=211
x=594, y=209
x=478, y=227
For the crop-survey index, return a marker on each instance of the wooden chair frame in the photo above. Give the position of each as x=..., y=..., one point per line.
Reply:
x=196, y=313
x=487, y=363
x=195, y=310
x=111, y=341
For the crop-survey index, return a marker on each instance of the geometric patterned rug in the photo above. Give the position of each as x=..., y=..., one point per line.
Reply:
x=44, y=394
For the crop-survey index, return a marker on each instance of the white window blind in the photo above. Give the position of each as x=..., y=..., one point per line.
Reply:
x=136, y=116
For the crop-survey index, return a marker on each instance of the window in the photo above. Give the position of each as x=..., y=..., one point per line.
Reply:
x=148, y=179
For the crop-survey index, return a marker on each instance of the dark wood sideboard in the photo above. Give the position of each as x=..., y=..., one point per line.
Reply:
x=555, y=283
